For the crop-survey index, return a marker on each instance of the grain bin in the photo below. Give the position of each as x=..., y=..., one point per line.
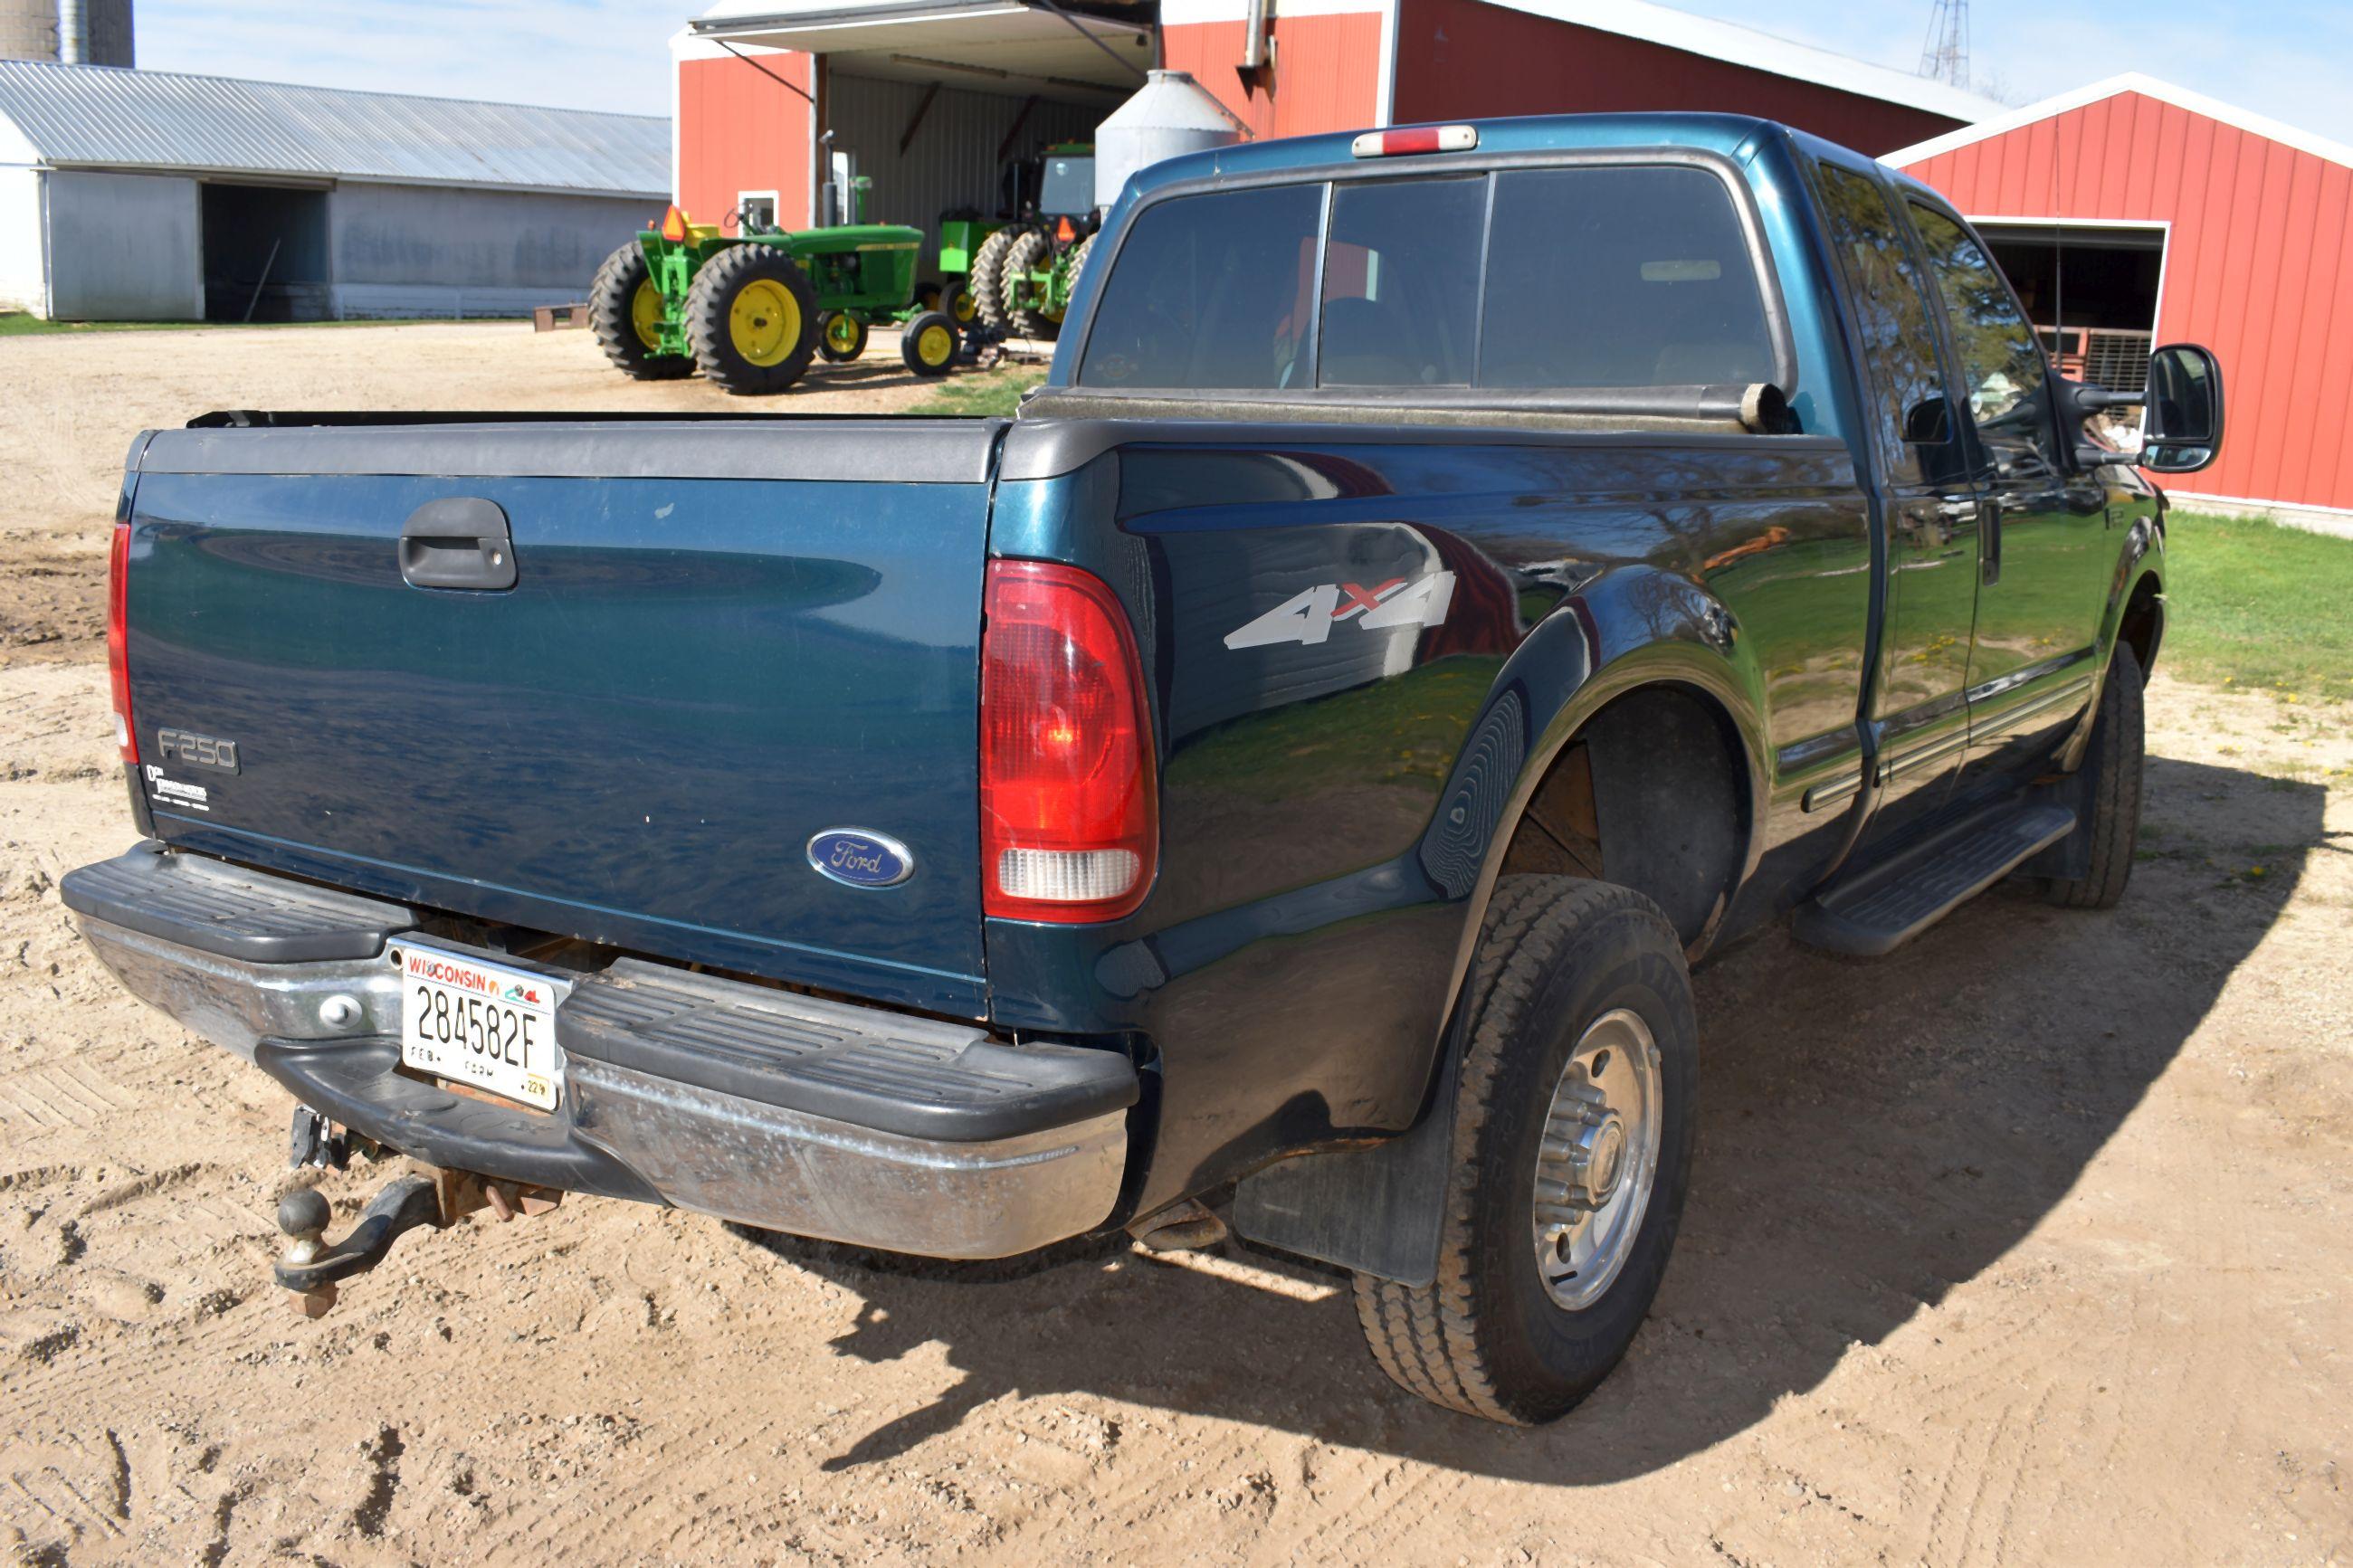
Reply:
x=1171, y=113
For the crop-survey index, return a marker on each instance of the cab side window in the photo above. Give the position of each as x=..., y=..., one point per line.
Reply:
x=1896, y=322
x=2001, y=364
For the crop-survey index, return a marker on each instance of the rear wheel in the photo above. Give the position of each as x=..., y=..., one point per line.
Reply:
x=2113, y=823
x=752, y=318
x=840, y=336
x=988, y=284
x=1026, y=308
x=1573, y=1133
x=624, y=313
x=928, y=343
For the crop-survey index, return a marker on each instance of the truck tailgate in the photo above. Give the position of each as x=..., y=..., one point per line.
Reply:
x=722, y=639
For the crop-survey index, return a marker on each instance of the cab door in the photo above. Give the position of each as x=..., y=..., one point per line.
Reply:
x=1928, y=503
x=2045, y=548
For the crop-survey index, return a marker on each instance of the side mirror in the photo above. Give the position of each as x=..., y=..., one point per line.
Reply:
x=2182, y=422
x=2181, y=431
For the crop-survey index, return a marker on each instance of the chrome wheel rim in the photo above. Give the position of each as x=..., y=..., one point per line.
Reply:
x=1600, y=1158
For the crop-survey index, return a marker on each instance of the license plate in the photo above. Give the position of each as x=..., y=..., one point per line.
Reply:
x=480, y=1023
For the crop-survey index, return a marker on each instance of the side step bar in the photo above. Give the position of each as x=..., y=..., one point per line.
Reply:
x=1887, y=904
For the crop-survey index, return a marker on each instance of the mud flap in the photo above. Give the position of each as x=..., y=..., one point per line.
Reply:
x=1378, y=1211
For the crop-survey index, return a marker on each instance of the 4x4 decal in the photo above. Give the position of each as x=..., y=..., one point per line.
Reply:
x=1309, y=616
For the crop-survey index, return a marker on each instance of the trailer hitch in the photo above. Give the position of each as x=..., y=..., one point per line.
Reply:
x=312, y=1266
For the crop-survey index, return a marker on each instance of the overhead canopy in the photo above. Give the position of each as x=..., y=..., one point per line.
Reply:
x=984, y=46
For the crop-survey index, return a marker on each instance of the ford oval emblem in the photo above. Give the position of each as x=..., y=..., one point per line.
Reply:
x=861, y=859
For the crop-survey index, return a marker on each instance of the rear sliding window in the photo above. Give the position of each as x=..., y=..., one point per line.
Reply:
x=1525, y=279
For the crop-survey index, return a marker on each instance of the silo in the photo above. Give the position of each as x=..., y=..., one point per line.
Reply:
x=1170, y=114
x=73, y=32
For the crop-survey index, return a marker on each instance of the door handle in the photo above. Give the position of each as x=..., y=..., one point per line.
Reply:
x=457, y=541
x=1990, y=514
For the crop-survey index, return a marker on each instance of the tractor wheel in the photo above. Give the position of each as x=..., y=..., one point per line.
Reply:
x=1025, y=303
x=957, y=304
x=987, y=284
x=752, y=318
x=928, y=343
x=927, y=296
x=1076, y=269
x=840, y=336
x=624, y=312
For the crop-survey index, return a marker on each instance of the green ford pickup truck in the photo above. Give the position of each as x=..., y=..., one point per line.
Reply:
x=1454, y=579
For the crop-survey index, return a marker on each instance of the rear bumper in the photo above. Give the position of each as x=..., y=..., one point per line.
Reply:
x=789, y=1112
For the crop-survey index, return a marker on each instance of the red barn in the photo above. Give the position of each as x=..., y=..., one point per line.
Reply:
x=932, y=98
x=2134, y=212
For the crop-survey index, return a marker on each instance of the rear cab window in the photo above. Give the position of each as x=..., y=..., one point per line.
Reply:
x=1517, y=280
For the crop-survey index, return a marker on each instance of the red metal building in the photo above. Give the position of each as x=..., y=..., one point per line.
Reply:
x=930, y=98
x=2133, y=211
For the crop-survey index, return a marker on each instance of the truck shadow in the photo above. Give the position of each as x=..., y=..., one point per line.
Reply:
x=1873, y=1135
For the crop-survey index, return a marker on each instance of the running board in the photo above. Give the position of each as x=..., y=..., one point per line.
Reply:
x=1888, y=904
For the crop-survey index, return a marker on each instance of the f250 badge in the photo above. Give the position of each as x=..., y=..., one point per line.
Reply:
x=1309, y=616
x=191, y=749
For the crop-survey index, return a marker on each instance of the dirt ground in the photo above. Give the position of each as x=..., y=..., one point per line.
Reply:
x=2027, y=1245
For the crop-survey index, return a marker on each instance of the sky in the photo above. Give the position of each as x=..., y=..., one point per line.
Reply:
x=2288, y=59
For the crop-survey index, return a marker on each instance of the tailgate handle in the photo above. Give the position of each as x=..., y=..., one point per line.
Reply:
x=457, y=541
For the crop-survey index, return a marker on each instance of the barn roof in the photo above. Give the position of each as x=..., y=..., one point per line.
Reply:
x=2213, y=109
x=103, y=116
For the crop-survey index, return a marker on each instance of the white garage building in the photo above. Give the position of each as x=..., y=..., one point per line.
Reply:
x=149, y=196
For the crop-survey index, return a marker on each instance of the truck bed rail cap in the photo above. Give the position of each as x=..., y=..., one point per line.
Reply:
x=889, y=451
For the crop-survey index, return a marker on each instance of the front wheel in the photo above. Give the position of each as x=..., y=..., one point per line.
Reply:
x=840, y=336
x=1572, y=1147
x=928, y=343
x=2112, y=823
x=752, y=318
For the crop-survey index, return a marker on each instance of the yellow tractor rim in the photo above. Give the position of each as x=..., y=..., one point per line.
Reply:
x=1053, y=312
x=763, y=321
x=966, y=307
x=646, y=314
x=841, y=332
x=935, y=343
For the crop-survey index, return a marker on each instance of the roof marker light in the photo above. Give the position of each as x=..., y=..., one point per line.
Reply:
x=1415, y=139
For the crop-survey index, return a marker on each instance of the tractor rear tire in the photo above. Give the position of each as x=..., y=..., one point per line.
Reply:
x=619, y=302
x=928, y=343
x=752, y=316
x=1032, y=253
x=840, y=337
x=987, y=283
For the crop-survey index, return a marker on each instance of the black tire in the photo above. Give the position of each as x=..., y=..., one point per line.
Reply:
x=612, y=318
x=928, y=343
x=987, y=284
x=2113, y=823
x=1486, y=1338
x=956, y=303
x=1033, y=252
x=850, y=329
x=710, y=306
x=927, y=296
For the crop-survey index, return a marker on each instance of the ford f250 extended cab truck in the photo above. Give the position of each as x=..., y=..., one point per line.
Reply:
x=1453, y=579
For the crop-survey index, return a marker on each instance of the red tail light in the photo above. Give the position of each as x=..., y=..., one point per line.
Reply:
x=1415, y=139
x=117, y=661
x=673, y=224
x=1069, y=822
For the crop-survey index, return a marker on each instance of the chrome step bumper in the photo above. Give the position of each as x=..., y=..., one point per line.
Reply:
x=789, y=1112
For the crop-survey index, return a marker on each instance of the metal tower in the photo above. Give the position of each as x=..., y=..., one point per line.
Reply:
x=1944, y=53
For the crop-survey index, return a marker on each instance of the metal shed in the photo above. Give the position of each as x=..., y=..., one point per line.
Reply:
x=2132, y=212
x=151, y=195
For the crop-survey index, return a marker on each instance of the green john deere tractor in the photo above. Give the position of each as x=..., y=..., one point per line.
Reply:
x=751, y=309
x=1023, y=274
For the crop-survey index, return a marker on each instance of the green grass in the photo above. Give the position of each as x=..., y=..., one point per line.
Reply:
x=2251, y=603
x=983, y=391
